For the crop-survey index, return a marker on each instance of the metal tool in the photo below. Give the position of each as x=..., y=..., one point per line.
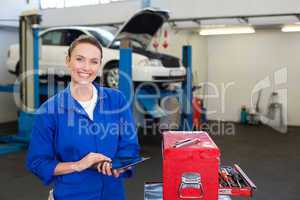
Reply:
x=236, y=178
x=224, y=176
x=186, y=142
x=232, y=176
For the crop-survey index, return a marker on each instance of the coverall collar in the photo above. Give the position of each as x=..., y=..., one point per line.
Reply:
x=67, y=101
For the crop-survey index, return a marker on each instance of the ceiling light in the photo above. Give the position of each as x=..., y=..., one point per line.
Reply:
x=291, y=28
x=225, y=30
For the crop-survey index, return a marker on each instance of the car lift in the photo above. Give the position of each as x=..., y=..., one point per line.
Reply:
x=148, y=96
x=28, y=88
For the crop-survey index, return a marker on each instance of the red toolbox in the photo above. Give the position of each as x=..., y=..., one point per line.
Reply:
x=190, y=166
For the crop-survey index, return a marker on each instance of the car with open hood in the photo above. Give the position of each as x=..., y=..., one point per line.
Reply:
x=147, y=65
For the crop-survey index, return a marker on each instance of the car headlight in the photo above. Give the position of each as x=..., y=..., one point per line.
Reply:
x=150, y=63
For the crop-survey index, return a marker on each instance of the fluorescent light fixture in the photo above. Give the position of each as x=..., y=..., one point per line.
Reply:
x=291, y=28
x=225, y=30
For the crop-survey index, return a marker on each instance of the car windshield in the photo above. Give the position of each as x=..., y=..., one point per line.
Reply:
x=104, y=37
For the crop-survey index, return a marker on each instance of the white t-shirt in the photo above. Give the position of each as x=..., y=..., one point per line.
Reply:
x=89, y=106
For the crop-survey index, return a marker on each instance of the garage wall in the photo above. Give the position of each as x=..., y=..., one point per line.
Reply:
x=8, y=110
x=11, y=9
x=241, y=61
x=177, y=39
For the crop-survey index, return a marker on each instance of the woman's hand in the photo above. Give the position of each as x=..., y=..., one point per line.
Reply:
x=106, y=169
x=89, y=160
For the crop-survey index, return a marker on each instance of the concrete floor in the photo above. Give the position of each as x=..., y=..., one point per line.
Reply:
x=271, y=159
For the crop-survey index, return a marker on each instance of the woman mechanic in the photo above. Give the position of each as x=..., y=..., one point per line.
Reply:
x=80, y=130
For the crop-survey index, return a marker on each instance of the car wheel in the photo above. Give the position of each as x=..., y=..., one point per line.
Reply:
x=111, y=75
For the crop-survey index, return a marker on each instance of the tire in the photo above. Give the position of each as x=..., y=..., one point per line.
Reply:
x=111, y=75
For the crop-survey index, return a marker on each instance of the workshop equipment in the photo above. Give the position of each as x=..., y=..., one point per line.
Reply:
x=275, y=114
x=191, y=170
x=199, y=112
x=244, y=115
x=146, y=97
x=197, y=109
x=242, y=186
x=254, y=112
x=28, y=88
x=186, y=99
x=190, y=166
x=154, y=191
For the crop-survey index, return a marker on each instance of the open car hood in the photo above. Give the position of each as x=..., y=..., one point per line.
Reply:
x=142, y=26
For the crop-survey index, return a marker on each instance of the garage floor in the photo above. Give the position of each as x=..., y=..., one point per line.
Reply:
x=270, y=158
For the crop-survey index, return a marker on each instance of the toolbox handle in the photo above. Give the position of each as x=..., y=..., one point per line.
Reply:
x=186, y=142
x=190, y=197
x=181, y=196
x=191, y=180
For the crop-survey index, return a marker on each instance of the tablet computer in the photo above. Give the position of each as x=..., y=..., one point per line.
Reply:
x=122, y=163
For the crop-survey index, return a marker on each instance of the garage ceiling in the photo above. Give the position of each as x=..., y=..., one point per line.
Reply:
x=265, y=21
x=255, y=20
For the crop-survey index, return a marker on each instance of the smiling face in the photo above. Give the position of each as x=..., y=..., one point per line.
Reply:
x=84, y=63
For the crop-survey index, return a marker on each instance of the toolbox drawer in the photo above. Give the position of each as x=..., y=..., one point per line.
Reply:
x=233, y=181
x=154, y=191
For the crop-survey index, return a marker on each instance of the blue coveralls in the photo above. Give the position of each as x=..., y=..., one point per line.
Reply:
x=63, y=132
